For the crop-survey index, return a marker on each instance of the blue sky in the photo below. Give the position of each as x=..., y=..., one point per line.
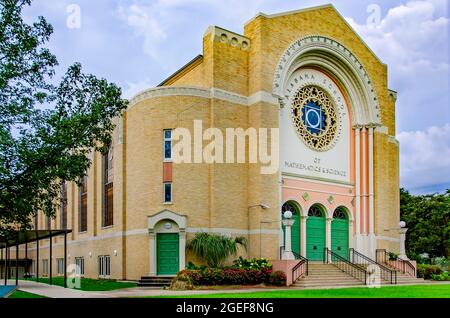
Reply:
x=138, y=43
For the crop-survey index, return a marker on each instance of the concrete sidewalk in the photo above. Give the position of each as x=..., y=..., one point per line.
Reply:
x=52, y=291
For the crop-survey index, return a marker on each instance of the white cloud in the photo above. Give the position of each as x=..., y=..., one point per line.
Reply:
x=134, y=88
x=425, y=157
x=412, y=39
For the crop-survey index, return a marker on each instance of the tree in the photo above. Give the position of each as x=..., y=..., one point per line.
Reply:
x=46, y=130
x=215, y=248
x=428, y=221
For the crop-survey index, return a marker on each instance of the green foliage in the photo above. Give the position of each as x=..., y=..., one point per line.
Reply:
x=46, y=131
x=393, y=256
x=442, y=277
x=428, y=221
x=254, y=263
x=215, y=248
x=228, y=276
x=427, y=271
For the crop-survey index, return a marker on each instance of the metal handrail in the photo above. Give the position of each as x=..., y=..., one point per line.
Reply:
x=362, y=260
x=301, y=268
x=404, y=266
x=345, y=265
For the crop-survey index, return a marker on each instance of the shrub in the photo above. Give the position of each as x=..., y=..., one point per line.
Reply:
x=442, y=277
x=393, y=256
x=426, y=271
x=277, y=278
x=229, y=276
x=254, y=263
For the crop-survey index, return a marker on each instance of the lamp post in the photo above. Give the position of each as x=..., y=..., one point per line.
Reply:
x=287, y=222
x=402, y=231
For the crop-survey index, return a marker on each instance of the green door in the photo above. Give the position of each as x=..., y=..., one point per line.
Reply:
x=295, y=232
x=167, y=253
x=315, y=236
x=339, y=233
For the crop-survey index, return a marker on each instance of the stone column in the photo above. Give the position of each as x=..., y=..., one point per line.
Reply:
x=402, y=233
x=287, y=254
x=152, y=254
x=357, y=187
x=182, y=251
x=303, y=219
x=328, y=233
x=372, y=239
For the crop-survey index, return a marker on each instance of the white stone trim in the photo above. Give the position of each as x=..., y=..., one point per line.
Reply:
x=387, y=238
x=217, y=93
x=369, y=103
x=382, y=130
x=364, y=189
x=262, y=96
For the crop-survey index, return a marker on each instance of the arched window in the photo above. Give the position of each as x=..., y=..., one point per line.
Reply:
x=340, y=213
x=288, y=206
x=316, y=211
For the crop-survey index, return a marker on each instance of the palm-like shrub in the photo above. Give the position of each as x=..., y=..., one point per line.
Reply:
x=215, y=248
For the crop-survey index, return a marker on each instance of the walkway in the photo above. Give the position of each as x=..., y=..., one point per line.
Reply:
x=52, y=291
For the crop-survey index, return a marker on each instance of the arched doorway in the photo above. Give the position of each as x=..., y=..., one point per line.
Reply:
x=339, y=232
x=295, y=229
x=315, y=233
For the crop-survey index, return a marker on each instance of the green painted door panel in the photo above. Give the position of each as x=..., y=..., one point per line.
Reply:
x=295, y=234
x=339, y=237
x=167, y=253
x=315, y=238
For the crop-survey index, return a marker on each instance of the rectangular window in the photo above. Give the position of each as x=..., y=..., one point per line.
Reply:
x=63, y=220
x=167, y=144
x=168, y=192
x=108, y=187
x=60, y=266
x=104, y=266
x=79, y=262
x=45, y=266
x=82, y=219
x=36, y=220
x=48, y=223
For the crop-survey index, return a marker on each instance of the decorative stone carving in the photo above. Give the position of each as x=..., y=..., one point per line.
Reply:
x=228, y=37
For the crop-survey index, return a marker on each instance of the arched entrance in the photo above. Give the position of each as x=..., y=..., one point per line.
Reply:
x=295, y=229
x=339, y=232
x=315, y=233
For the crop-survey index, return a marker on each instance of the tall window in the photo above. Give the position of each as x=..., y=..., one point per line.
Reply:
x=168, y=192
x=79, y=262
x=45, y=266
x=63, y=221
x=48, y=223
x=167, y=144
x=82, y=220
x=104, y=266
x=36, y=220
x=60, y=266
x=108, y=187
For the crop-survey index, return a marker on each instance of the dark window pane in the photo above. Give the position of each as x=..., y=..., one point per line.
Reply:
x=167, y=134
x=168, y=192
x=167, y=149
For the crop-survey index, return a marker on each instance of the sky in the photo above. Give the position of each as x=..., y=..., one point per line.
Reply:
x=139, y=43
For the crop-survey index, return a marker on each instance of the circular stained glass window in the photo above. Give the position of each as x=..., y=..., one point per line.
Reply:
x=315, y=117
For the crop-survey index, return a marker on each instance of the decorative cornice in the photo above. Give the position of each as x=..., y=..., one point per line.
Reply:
x=216, y=93
x=227, y=37
x=302, y=45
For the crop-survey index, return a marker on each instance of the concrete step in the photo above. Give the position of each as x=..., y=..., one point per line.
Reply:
x=155, y=281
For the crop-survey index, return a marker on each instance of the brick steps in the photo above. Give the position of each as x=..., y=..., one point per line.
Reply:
x=155, y=281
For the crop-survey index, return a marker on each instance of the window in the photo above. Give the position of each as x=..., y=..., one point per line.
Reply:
x=167, y=144
x=63, y=221
x=104, y=266
x=82, y=219
x=79, y=262
x=168, y=192
x=45, y=266
x=60, y=266
x=36, y=220
x=108, y=187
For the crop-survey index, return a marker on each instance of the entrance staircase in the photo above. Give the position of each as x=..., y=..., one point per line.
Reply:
x=156, y=282
x=326, y=276
x=352, y=271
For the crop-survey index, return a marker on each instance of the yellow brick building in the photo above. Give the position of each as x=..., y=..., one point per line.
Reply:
x=305, y=73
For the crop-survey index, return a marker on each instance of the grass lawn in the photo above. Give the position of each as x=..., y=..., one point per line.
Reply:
x=416, y=291
x=88, y=284
x=22, y=294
